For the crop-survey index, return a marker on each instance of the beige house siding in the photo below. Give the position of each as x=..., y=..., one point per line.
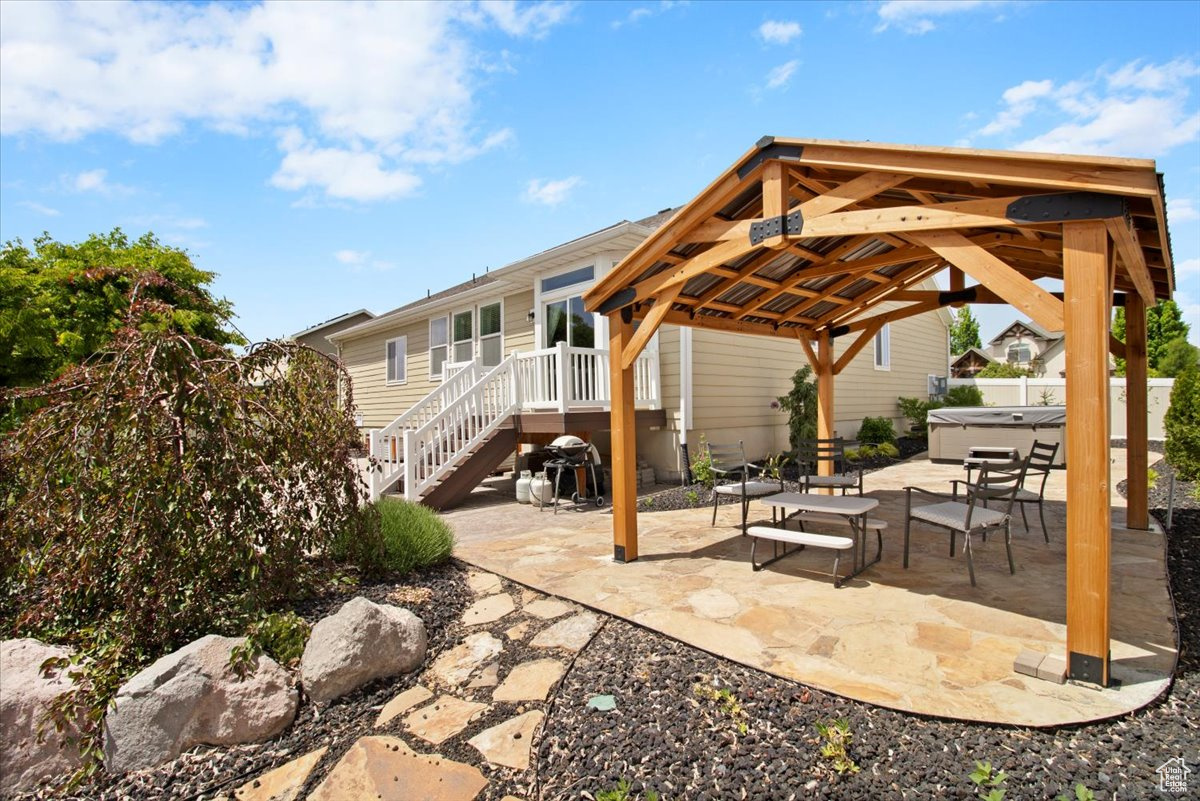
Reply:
x=317, y=339
x=918, y=350
x=365, y=360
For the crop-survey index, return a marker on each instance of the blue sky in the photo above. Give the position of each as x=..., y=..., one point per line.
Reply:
x=323, y=158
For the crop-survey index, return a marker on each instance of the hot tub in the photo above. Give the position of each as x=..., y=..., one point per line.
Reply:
x=954, y=430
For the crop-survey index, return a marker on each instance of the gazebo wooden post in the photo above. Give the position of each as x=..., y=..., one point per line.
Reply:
x=1087, y=309
x=824, y=396
x=1136, y=456
x=624, y=440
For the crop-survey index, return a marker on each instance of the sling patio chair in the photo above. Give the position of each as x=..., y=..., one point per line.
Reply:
x=973, y=515
x=1037, y=464
x=812, y=453
x=732, y=476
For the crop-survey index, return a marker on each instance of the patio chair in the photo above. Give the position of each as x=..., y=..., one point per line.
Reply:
x=971, y=516
x=732, y=476
x=1041, y=457
x=811, y=453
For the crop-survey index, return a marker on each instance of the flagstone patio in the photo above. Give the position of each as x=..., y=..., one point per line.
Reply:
x=920, y=640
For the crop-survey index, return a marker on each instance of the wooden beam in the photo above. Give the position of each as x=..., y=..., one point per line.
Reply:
x=958, y=281
x=727, y=324
x=897, y=219
x=1040, y=305
x=810, y=354
x=1125, y=238
x=817, y=270
x=1116, y=347
x=892, y=316
x=687, y=270
x=1085, y=282
x=742, y=274
x=825, y=411
x=884, y=292
x=849, y=353
x=1137, y=458
x=624, y=443
x=774, y=199
x=650, y=324
x=851, y=192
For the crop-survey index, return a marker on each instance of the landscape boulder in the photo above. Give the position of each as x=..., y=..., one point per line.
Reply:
x=24, y=698
x=193, y=697
x=360, y=642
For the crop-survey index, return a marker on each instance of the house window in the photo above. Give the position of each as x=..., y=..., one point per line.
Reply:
x=397, y=354
x=491, y=339
x=568, y=321
x=464, y=335
x=1019, y=353
x=883, y=348
x=439, y=345
x=579, y=276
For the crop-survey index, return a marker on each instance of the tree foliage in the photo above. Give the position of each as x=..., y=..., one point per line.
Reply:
x=1164, y=324
x=1003, y=370
x=167, y=489
x=1179, y=355
x=1182, y=425
x=800, y=404
x=964, y=332
x=60, y=303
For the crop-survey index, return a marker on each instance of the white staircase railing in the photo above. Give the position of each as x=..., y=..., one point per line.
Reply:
x=433, y=448
x=423, y=444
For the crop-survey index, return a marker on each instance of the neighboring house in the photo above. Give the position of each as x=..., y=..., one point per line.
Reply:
x=1029, y=346
x=316, y=337
x=968, y=364
x=467, y=375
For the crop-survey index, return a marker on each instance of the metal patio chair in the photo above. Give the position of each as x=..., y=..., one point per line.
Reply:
x=732, y=476
x=973, y=515
x=811, y=453
x=1037, y=464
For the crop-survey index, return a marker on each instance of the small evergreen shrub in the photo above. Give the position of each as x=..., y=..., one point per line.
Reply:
x=702, y=472
x=414, y=536
x=916, y=410
x=965, y=395
x=801, y=407
x=888, y=449
x=875, y=430
x=1182, y=424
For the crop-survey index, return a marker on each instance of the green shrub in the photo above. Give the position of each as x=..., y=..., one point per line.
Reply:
x=1003, y=370
x=280, y=635
x=801, y=407
x=888, y=449
x=964, y=395
x=702, y=470
x=413, y=535
x=1182, y=424
x=166, y=490
x=875, y=430
x=861, y=452
x=916, y=410
x=853, y=455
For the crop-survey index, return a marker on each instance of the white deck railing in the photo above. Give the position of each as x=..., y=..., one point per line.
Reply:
x=424, y=443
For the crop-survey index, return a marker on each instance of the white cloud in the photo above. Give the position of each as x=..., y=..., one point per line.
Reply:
x=779, y=32
x=550, y=193
x=916, y=16
x=358, y=260
x=378, y=86
x=1137, y=110
x=1187, y=267
x=639, y=13
x=39, y=208
x=1182, y=209
x=779, y=76
x=91, y=181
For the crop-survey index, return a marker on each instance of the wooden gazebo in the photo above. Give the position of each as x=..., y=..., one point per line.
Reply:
x=805, y=239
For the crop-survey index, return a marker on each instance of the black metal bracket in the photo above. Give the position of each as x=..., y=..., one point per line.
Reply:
x=767, y=150
x=1066, y=207
x=967, y=295
x=839, y=331
x=1084, y=667
x=776, y=226
x=619, y=553
x=627, y=314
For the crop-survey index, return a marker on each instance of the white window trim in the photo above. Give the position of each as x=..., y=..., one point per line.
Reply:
x=600, y=267
x=478, y=328
x=886, y=331
x=432, y=375
x=402, y=349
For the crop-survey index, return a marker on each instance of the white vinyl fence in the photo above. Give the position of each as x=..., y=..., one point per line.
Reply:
x=1053, y=392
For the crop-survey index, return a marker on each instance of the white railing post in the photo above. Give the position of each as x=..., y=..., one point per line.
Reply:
x=563, y=366
x=409, y=465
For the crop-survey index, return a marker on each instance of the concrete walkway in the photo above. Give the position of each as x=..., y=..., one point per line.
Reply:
x=920, y=640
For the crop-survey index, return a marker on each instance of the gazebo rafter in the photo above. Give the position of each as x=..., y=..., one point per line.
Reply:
x=808, y=239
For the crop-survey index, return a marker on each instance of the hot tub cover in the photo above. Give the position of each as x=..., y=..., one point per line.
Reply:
x=1018, y=416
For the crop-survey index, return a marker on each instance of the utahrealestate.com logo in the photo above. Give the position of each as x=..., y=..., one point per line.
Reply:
x=1172, y=776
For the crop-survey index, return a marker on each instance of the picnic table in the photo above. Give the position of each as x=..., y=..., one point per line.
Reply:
x=806, y=507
